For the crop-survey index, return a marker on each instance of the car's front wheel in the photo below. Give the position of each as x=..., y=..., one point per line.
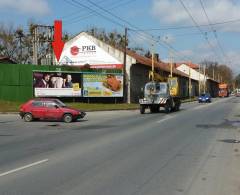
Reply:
x=67, y=118
x=28, y=117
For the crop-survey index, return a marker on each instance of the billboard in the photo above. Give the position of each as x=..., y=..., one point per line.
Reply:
x=102, y=85
x=82, y=50
x=56, y=84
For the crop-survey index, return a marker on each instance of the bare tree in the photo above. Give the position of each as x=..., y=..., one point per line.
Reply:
x=113, y=38
x=219, y=72
x=15, y=44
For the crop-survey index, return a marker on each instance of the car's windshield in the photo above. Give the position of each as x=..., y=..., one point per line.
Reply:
x=60, y=103
x=156, y=88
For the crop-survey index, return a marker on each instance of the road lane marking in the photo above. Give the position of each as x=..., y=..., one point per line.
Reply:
x=164, y=119
x=23, y=167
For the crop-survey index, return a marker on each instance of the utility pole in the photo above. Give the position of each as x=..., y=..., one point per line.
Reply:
x=51, y=49
x=213, y=73
x=35, y=50
x=21, y=49
x=125, y=82
x=152, y=61
x=171, y=63
x=204, y=86
x=42, y=30
x=19, y=36
x=189, y=82
x=199, y=79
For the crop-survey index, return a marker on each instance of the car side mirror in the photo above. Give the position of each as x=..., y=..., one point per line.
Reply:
x=56, y=106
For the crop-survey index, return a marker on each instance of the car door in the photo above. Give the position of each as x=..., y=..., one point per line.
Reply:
x=38, y=109
x=52, y=110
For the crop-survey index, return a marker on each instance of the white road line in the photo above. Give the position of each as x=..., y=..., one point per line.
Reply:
x=23, y=167
x=164, y=119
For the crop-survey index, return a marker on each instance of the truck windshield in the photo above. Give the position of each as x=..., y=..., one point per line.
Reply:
x=160, y=88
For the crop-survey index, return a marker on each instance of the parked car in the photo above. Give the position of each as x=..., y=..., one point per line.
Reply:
x=48, y=108
x=205, y=97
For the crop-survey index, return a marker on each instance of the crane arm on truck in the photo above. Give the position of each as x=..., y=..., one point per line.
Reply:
x=160, y=92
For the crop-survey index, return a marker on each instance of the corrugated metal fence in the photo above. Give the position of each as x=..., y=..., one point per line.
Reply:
x=16, y=80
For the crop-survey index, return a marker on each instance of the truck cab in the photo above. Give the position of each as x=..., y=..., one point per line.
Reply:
x=156, y=95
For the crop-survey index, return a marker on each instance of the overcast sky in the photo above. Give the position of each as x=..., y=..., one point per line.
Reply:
x=219, y=41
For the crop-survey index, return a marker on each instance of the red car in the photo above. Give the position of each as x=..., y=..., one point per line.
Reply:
x=47, y=108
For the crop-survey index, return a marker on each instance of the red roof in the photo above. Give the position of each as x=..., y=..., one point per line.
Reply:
x=192, y=65
x=157, y=64
x=148, y=62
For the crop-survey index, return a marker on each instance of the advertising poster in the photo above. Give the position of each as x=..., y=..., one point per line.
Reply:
x=56, y=84
x=81, y=51
x=102, y=85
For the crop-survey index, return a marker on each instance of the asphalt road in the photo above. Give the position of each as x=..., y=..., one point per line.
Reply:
x=192, y=152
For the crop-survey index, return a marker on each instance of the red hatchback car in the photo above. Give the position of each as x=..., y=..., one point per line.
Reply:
x=47, y=108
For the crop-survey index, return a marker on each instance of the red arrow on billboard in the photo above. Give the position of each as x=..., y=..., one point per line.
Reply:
x=57, y=43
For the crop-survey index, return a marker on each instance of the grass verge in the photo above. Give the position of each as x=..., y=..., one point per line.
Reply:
x=7, y=106
x=189, y=100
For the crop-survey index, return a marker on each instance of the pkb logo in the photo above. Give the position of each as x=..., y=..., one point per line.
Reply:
x=83, y=49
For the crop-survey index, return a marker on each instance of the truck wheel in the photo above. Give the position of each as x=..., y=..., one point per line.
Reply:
x=67, y=118
x=177, y=107
x=154, y=109
x=142, y=109
x=151, y=109
x=167, y=107
x=28, y=117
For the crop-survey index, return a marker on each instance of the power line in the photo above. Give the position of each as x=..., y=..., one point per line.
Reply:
x=151, y=37
x=165, y=45
x=198, y=27
x=116, y=5
x=213, y=30
x=188, y=34
x=105, y=10
x=82, y=5
x=148, y=36
x=77, y=12
x=190, y=26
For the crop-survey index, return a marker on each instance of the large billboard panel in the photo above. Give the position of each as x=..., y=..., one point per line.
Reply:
x=81, y=50
x=102, y=85
x=57, y=84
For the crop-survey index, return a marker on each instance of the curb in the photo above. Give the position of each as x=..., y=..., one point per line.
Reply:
x=101, y=110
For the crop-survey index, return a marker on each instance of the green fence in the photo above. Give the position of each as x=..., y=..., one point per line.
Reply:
x=16, y=79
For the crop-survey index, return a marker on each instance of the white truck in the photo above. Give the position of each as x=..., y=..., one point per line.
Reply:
x=160, y=94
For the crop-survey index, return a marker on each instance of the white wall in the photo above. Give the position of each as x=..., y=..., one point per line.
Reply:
x=193, y=73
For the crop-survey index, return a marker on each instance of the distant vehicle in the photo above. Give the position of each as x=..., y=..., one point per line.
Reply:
x=48, y=108
x=237, y=93
x=223, y=90
x=205, y=97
